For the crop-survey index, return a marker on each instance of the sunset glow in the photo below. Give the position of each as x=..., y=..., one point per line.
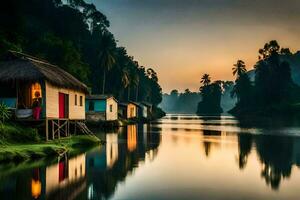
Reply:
x=184, y=39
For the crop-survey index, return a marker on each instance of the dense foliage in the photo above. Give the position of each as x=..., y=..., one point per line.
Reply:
x=176, y=102
x=5, y=113
x=74, y=35
x=273, y=91
x=211, y=96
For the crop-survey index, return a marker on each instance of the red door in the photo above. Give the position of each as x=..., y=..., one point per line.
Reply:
x=61, y=105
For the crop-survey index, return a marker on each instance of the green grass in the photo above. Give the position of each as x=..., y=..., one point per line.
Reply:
x=72, y=145
x=20, y=144
x=13, y=133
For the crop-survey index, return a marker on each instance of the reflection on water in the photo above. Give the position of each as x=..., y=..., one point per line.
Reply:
x=180, y=156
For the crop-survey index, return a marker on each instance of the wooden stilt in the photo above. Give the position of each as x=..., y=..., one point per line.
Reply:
x=58, y=129
x=52, y=129
x=47, y=130
x=68, y=128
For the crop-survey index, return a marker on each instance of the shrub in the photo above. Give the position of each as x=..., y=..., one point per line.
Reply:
x=5, y=113
x=13, y=133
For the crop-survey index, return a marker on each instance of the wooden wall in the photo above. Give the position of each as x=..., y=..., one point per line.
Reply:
x=111, y=116
x=76, y=112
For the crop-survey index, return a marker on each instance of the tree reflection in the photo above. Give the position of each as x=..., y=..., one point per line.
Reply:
x=207, y=140
x=245, y=145
x=276, y=156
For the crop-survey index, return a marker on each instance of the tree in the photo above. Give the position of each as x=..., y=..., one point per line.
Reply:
x=242, y=90
x=126, y=80
x=205, y=80
x=239, y=68
x=273, y=90
x=269, y=49
x=211, y=96
x=107, y=56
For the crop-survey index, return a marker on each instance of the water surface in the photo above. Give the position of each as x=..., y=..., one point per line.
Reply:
x=177, y=157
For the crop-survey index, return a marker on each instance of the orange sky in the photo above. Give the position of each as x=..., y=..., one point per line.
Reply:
x=182, y=40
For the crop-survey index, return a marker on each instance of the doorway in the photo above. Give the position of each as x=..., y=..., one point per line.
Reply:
x=63, y=103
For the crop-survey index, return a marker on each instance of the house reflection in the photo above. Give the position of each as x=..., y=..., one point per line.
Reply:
x=65, y=177
x=111, y=149
x=131, y=137
x=36, y=185
x=125, y=150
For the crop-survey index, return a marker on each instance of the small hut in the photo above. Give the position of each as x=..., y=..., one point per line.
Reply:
x=144, y=110
x=148, y=110
x=101, y=108
x=128, y=110
x=39, y=91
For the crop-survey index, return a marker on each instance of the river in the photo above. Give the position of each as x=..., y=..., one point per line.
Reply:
x=177, y=157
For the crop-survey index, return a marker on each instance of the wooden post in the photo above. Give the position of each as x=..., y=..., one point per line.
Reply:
x=58, y=129
x=52, y=129
x=68, y=127
x=47, y=130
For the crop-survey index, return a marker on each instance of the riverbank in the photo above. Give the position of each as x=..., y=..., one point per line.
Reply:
x=20, y=144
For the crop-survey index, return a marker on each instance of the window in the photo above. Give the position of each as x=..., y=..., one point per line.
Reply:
x=36, y=91
x=81, y=101
x=75, y=99
x=91, y=106
x=110, y=108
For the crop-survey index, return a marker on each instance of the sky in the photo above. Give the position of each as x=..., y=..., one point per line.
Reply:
x=183, y=39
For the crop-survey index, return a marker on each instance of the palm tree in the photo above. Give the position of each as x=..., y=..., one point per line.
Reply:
x=135, y=82
x=126, y=79
x=239, y=68
x=205, y=80
x=107, y=56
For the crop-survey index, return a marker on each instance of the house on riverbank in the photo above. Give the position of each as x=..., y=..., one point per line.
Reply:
x=101, y=108
x=145, y=110
x=128, y=110
x=39, y=91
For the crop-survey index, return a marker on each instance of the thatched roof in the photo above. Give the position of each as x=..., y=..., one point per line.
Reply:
x=25, y=68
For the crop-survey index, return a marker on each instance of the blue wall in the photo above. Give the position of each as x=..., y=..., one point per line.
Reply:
x=99, y=105
x=10, y=102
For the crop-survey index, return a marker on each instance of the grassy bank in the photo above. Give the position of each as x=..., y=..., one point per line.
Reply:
x=20, y=144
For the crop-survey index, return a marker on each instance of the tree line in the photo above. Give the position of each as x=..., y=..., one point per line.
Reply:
x=180, y=102
x=272, y=91
x=74, y=35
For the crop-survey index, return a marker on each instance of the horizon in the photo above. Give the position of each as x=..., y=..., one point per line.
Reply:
x=184, y=38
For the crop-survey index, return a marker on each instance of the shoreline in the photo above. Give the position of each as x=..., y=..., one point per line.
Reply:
x=16, y=152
